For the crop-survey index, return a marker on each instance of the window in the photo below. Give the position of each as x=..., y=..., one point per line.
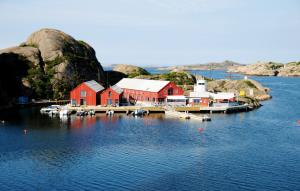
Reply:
x=170, y=91
x=82, y=93
x=196, y=100
x=109, y=94
x=153, y=99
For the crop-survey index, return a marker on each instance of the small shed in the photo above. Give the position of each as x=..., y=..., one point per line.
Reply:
x=111, y=96
x=223, y=97
x=87, y=93
x=199, y=99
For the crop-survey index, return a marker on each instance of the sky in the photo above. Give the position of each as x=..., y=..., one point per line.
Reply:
x=164, y=32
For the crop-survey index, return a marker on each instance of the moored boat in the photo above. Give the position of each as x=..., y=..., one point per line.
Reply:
x=110, y=112
x=52, y=109
x=138, y=112
x=81, y=113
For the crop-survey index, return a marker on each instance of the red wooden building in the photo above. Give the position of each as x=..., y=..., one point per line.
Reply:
x=111, y=96
x=87, y=93
x=143, y=90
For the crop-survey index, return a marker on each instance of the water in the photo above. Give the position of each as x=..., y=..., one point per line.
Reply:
x=257, y=150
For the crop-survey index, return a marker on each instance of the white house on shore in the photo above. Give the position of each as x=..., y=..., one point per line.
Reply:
x=201, y=97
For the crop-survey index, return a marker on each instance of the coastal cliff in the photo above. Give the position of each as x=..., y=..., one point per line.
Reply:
x=49, y=63
x=268, y=69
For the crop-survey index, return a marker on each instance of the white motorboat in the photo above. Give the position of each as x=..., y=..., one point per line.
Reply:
x=110, y=112
x=82, y=113
x=91, y=112
x=53, y=109
x=138, y=112
x=64, y=112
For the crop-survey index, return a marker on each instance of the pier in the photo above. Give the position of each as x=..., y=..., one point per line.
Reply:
x=163, y=109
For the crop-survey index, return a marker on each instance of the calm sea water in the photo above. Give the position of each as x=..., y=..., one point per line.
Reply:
x=257, y=150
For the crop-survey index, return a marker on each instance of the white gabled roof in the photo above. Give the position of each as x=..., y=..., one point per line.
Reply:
x=176, y=97
x=117, y=89
x=142, y=84
x=94, y=85
x=222, y=95
x=200, y=94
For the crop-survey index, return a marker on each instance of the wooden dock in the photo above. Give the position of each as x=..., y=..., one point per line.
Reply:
x=161, y=109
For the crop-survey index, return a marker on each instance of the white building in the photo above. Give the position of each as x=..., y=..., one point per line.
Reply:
x=200, y=96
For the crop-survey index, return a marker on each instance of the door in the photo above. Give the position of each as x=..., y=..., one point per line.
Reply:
x=82, y=102
x=109, y=102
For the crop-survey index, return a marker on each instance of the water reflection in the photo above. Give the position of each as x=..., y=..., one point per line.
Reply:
x=257, y=150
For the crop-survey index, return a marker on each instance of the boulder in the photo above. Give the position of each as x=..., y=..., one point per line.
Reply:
x=57, y=62
x=68, y=56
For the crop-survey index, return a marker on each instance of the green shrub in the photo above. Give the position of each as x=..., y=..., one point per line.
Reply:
x=249, y=83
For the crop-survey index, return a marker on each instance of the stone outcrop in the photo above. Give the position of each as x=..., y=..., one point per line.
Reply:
x=268, y=69
x=57, y=60
x=130, y=70
x=32, y=54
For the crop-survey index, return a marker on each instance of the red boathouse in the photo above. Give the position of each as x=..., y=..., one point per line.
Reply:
x=111, y=96
x=154, y=91
x=87, y=93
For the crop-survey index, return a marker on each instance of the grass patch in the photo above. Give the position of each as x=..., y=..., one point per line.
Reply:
x=249, y=83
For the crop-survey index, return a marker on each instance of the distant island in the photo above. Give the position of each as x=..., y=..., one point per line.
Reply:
x=268, y=69
x=208, y=66
x=261, y=68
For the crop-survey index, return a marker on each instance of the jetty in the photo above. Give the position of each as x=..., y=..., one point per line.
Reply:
x=163, y=109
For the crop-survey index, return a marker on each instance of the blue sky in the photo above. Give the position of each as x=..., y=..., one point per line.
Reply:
x=164, y=32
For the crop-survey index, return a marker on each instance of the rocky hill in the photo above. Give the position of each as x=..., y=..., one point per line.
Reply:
x=179, y=77
x=208, y=66
x=50, y=63
x=130, y=70
x=268, y=69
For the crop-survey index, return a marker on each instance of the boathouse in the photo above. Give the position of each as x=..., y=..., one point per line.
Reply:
x=87, y=93
x=111, y=96
x=148, y=91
